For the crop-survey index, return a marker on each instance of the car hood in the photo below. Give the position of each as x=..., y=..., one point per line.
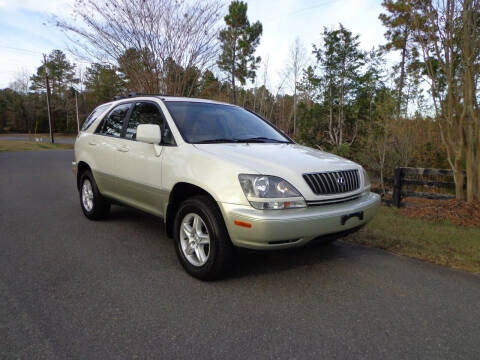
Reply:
x=278, y=159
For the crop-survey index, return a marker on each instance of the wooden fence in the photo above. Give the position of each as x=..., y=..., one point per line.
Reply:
x=399, y=181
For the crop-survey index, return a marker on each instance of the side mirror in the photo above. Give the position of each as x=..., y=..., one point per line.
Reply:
x=149, y=133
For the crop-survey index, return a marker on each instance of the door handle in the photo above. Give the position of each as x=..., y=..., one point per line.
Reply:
x=123, y=149
x=92, y=143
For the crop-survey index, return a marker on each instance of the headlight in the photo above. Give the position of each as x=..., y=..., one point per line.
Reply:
x=270, y=192
x=366, y=181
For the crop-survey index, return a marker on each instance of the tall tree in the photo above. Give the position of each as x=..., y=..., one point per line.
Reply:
x=157, y=31
x=181, y=81
x=21, y=83
x=447, y=32
x=470, y=50
x=370, y=84
x=379, y=138
x=60, y=71
x=341, y=60
x=209, y=85
x=103, y=82
x=239, y=40
x=61, y=75
x=398, y=21
x=297, y=61
x=140, y=70
x=310, y=86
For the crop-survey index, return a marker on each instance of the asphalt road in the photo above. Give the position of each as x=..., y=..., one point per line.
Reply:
x=71, y=288
x=45, y=138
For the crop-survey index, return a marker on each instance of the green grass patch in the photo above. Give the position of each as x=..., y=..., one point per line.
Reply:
x=13, y=145
x=445, y=244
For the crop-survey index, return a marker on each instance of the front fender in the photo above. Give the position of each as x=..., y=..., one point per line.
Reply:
x=216, y=176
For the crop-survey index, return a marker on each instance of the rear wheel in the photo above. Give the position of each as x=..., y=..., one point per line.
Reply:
x=94, y=205
x=201, y=239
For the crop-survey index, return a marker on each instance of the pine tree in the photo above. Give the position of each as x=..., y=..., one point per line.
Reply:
x=398, y=21
x=341, y=60
x=239, y=40
x=103, y=82
x=61, y=74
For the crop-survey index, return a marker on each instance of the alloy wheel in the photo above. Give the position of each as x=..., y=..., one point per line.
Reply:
x=194, y=239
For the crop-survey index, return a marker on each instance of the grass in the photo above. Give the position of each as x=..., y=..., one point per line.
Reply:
x=13, y=145
x=445, y=244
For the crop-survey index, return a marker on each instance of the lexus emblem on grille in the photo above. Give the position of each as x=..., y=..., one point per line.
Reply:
x=341, y=180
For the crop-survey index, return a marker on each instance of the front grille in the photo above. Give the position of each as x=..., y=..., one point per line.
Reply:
x=336, y=200
x=333, y=182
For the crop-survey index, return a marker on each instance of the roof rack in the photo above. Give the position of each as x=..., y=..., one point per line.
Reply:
x=134, y=94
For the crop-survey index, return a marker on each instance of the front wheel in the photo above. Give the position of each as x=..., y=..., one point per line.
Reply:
x=94, y=205
x=202, y=243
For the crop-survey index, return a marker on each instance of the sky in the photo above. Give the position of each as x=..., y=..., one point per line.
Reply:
x=27, y=30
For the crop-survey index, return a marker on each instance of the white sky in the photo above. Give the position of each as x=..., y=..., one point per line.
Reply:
x=26, y=32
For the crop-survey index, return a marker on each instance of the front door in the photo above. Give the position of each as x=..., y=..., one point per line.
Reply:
x=139, y=165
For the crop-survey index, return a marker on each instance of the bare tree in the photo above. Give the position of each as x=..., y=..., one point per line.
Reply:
x=470, y=46
x=263, y=88
x=450, y=53
x=166, y=32
x=21, y=82
x=278, y=89
x=297, y=61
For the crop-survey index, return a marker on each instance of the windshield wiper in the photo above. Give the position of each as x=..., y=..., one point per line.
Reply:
x=263, y=139
x=213, y=141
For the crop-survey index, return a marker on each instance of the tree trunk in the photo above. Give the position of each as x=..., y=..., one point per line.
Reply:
x=333, y=138
x=402, y=72
x=295, y=109
x=470, y=162
x=459, y=179
x=341, y=115
x=469, y=116
x=234, y=91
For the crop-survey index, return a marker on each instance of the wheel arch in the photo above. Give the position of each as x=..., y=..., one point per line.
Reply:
x=180, y=192
x=82, y=166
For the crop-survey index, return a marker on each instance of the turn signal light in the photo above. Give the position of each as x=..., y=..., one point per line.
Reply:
x=242, y=224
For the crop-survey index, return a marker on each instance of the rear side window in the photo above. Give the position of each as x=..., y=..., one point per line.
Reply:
x=94, y=116
x=112, y=125
x=148, y=113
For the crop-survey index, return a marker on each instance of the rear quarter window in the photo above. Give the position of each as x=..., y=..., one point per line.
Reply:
x=113, y=123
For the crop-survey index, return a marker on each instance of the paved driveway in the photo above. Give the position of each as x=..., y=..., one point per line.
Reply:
x=71, y=288
x=43, y=138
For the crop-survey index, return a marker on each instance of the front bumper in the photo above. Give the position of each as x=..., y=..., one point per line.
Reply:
x=275, y=229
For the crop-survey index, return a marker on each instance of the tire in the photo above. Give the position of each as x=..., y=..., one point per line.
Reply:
x=191, y=244
x=94, y=205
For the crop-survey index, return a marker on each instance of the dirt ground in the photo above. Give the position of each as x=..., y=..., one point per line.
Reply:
x=454, y=211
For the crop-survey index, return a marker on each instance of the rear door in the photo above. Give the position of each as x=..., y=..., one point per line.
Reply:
x=139, y=164
x=105, y=144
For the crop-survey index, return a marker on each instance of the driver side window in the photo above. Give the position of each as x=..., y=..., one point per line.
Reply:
x=148, y=113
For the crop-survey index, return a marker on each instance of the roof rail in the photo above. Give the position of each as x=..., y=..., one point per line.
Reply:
x=134, y=94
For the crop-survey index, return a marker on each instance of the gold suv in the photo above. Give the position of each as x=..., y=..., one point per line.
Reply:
x=219, y=176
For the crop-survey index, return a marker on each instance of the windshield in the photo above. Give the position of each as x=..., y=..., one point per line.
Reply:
x=202, y=123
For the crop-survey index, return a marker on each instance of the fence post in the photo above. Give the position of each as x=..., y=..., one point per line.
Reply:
x=397, y=187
